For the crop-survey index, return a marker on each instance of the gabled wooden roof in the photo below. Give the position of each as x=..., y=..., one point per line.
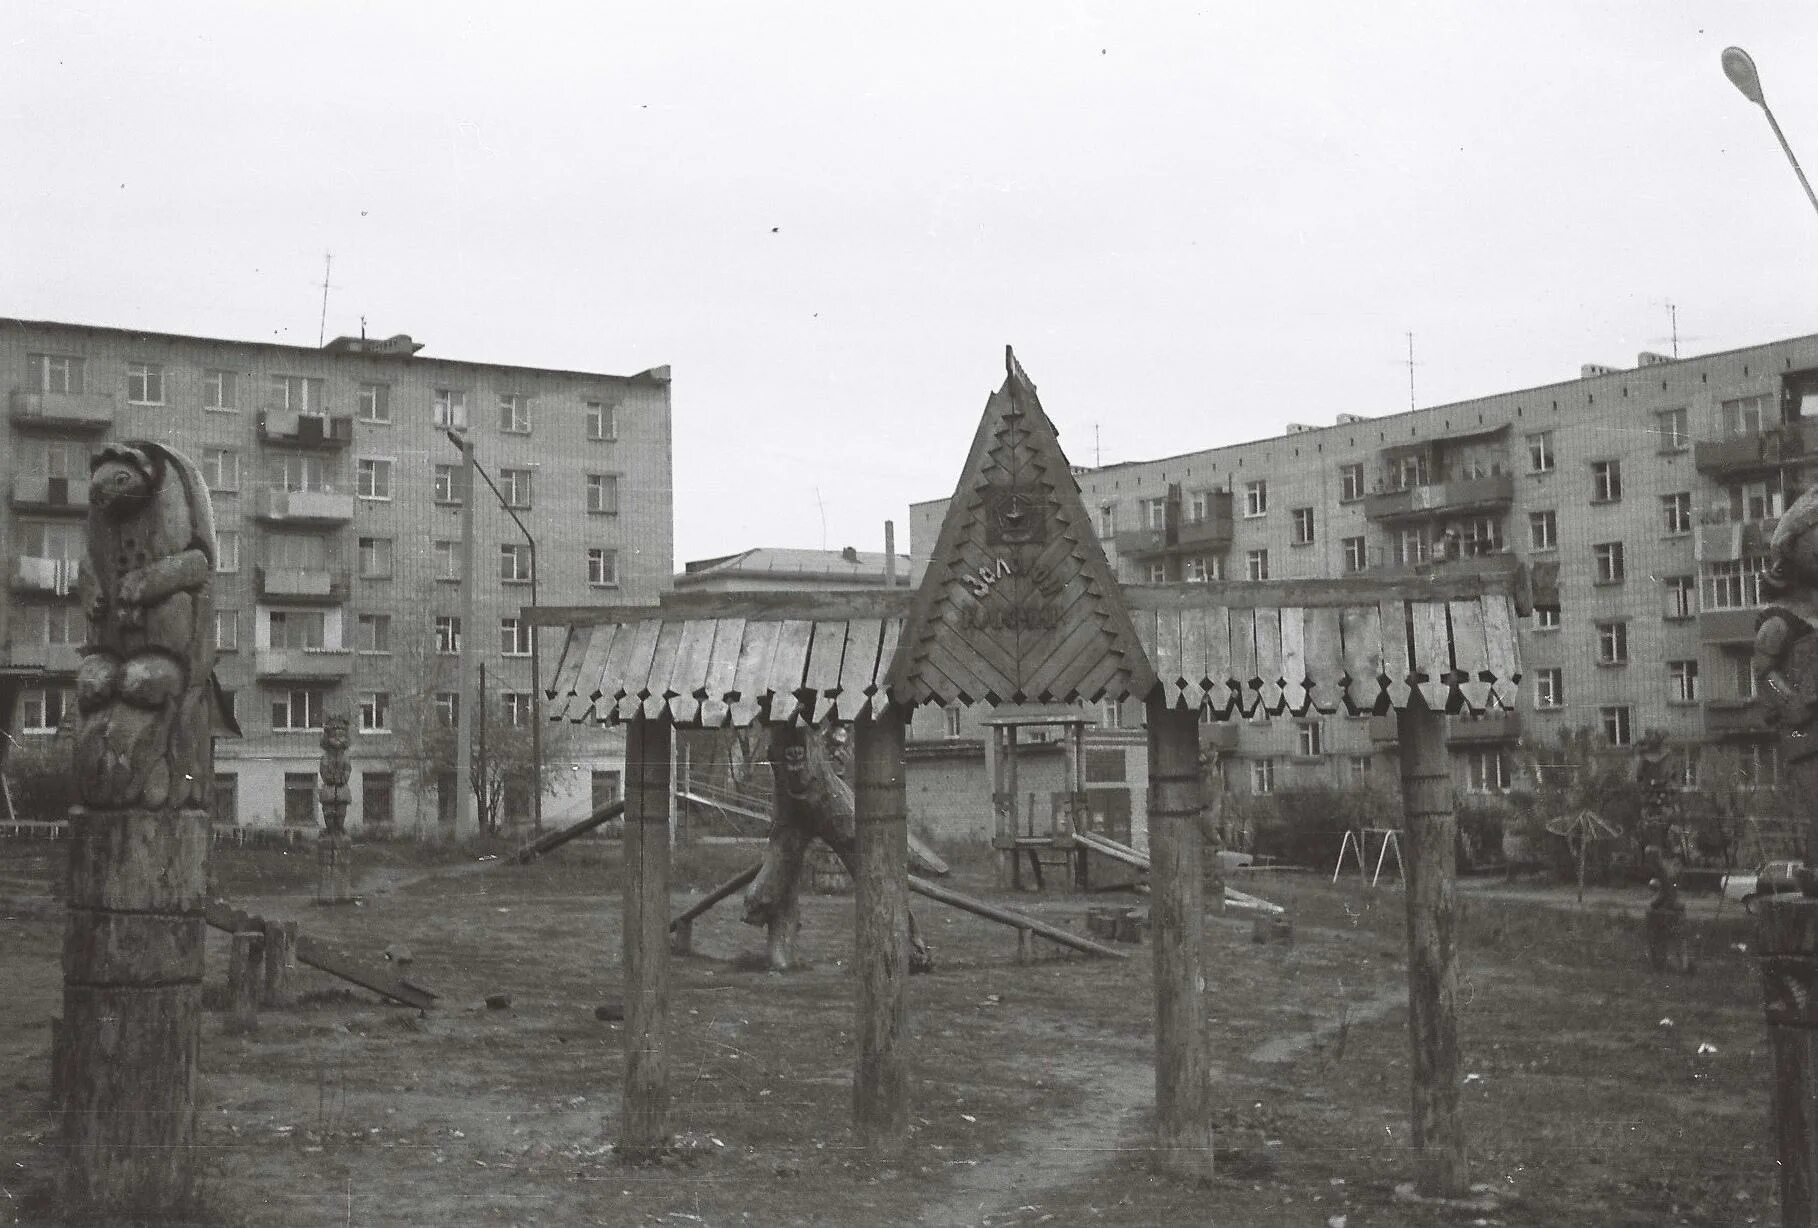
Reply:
x=1017, y=604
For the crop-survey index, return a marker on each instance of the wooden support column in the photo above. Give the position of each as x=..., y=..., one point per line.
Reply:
x=880, y=1100
x=1431, y=836
x=132, y=1001
x=280, y=965
x=644, y=1131
x=1786, y=944
x=1183, y=1126
x=244, y=981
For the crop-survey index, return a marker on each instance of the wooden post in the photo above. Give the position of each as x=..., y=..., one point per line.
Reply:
x=880, y=1101
x=1432, y=833
x=644, y=1132
x=245, y=979
x=1183, y=1127
x=280, y=964
x=1786, y=944
x=132, y=1001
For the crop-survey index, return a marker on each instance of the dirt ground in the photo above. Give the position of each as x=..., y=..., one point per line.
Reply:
x=1596, y=1092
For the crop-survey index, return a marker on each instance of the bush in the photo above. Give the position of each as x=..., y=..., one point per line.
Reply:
x=1307, y=826
x=1481, y=824
x=41, y=777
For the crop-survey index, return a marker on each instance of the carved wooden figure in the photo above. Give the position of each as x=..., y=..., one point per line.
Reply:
x=333, y=849
x=1786, y=651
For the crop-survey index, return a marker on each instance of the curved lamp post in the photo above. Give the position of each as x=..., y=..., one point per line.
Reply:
x=1740, y=69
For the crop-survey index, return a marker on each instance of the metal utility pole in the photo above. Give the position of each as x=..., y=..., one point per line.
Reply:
x=466, y=822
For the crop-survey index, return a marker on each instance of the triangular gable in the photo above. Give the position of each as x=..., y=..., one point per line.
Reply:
x=1018, y=604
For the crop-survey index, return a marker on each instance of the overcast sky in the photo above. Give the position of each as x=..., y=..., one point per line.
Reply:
x=1195, y=224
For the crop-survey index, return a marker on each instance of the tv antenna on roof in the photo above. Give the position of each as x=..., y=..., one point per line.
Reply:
x=1411, y=365
x=328, y=262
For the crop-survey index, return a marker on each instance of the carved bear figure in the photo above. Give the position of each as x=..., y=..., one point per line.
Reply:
x=142, y=691
x=333, y=793
x=1785, y=658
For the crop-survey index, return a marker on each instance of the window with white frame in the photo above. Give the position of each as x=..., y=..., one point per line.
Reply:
x=1682, y=681
x=375, y=558
x=1409, y=471
x=1758, y=765
x=144, y=383
x=1746, y=415
x=602, y=566
x=450, y=408
x=55, y=373
x=298, y=709
x=1154, y=513
x=1615, y=721
x=603, y=494
x=1543, y=530
x=1110, y=714
x=1262, y=776
x=303, y=473
x=298, y=629
x=296, y=551
x=514, y=564
x=1681, y=597
x=1199, y=507
x=448, y=633
x=373, y=478
x=517, y=708
x=42, y=709
x=1309, y=739
x=1606, y=481
x=1607, y=561
x=514, y=637
x=1613, y=643
x=1350, y=481
x=1302, y=526
x=375, y=711
x=516, y=484
x=305, y=394
x=1200, y=568
x=448, y=484
x=374, y=403
x=1670, y=425
x=1754, y=501
x=372, y=632
x=1257, y=564
x=602, y=420
x=514, y=413
x=1107, y=522
x=1488, y=771
x=1158, y=572
x=227, y=551
x=1356, y=553
x=1685, y=765
x=1676, y=512
x=1359, y=769
x=227, y=630
x=1540, y=452
x=1256, y=498
x=51, y=625
x=1742, y=671
x=221, y=469
x=1549, y=687
x=220, y=390
x=447, y=705
x=447, y=557
x=950, y=721
x=1734, y=584
x=1480, y=535
x=1414, y=544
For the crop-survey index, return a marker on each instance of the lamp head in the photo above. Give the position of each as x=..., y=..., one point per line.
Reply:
x=1741, y=71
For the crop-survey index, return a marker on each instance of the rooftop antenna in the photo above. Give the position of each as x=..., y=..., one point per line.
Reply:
x=362, y=328
x=328, y=262
x=1411, y=365
x=818, y=503
x=1098, y=453
x=1673, y=319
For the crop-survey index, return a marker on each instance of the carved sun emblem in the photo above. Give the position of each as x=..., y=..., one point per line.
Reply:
x=1015, y=519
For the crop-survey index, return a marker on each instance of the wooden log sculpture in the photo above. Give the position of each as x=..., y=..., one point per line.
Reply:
x=1786, y=652
x=333, y=873
x=812, y=801
x=132, y=961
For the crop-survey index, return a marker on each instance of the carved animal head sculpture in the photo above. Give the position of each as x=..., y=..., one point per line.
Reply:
x=123, y=478
x=335, y=736
x=1793, y=550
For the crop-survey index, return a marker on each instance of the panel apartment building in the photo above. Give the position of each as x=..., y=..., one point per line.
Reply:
x=1642, y=498
x=337, y=498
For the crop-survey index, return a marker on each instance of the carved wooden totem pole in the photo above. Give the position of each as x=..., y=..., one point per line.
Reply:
x=812, y=800
x=1786, y=938
x=333, y=850
x=132, y=956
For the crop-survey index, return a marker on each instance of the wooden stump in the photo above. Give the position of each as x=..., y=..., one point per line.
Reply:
x=245, y=981
x=880, y=1095
x=132, y=1000
x=1786, y=945
x=334, y=868
x=644, y=1131
x=1183, y=1127
x=1430, y=838
x=280, y=965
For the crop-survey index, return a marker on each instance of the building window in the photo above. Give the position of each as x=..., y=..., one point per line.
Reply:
x=42, y=709
x=373, y=633
x=447, y=705
x=1487, y=771
x=1107, y=522
x=375, y=712
x=517, y=487
x=1256, y=498
x=448, y=634
x=1682, y=682
x=1746, y=415
x=608, y=787
x=51, y=624
x=1262, y=776
x=1752, y=501
x=144, y=383
x=1199, y=507
x=297, y=709
x=1546, y=618
x=448, y=560
x=1350, y=481
x=950, y=720
x=1540, y=452
x=514, y=637
x=1615, y=719
x=296, y=551
x=1413, y=545
x=304, y=473
x=1258, y=563
x=1356, y=554
x=1757, y=766
x=1201, y=568
x=1685, y=767
x=1676, y=510
x=1158, y=572
x=514, y=413
x=220, y=390
x=375, y=558
x=1154, y=513
x=227, y=630
x=602, y=420
x=1309, y=741
x=1733, y=585
x=223, y=801
x=374, y=478
x=1744, y=669
x=375, y=403
x=299, y=799
x=1606, y=481
x=1613, y=643
x=1359, y=767
x=1607, y=557
x=1543, y=530
x=451, y=408
x=1671, y=426
x=1549, y=687
x=602, y=566
x=1110, y=714
x=227, y=551
x=603, y=493
x=305, y=395
x=1480, y=536
x=376, y=799
x=297, y=629
x=56, y=373
x=516, y=706
x=1303, y=526
x=1681, y=597
x=221, y=468
x=448, y=485
x=514, y=564
x=1409, y=471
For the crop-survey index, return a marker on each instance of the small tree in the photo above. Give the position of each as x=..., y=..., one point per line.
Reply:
x=1580, y=771
x=40, y=777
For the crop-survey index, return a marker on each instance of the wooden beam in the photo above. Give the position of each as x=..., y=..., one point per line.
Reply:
x=1456, y=580
x=644, y=1131
x=880, y=1084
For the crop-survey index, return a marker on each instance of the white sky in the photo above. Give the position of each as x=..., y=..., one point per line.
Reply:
x=1194, y=224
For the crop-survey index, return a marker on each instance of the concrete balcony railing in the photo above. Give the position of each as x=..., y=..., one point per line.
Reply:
x=1491, y=727
x=1755, y=452
x=51, y=658
x=1727, y=626
x=304, y=507
x=1732, y=539
x=305, y=664
x=1493, y=491
x=287, y=426
x=74, y=412
x=1135, y=543
x=1735, y=718
x=1209, y=536
x=39, y=493
x=1212, y=533
x=49, y=577
x=302, y=584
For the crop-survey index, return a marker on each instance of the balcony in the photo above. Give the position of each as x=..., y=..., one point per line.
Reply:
x=1755, y=452
x=1213, y=533
x=38, y=493
x=1209, y=536
x=51, y=658
x=313, y=584
x=1492, y=492
x=1222, y=735
x=302, y=664
x=1491, y=727
x=46, y=577
x=1727, y=626
x=287, y=426
x=1735, y=718
x=317, y=507
x=1136, y=543
x=1732, y=539
x=77, y=413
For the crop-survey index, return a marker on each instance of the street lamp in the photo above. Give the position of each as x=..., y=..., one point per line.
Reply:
x=536, y=658
x=1740, y=69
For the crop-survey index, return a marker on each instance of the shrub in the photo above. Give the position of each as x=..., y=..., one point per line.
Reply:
x=1306, y=826
x=40, y=776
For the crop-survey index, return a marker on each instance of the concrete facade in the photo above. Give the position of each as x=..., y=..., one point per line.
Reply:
x=337, y=500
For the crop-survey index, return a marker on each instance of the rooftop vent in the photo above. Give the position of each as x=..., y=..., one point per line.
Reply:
x=1295, y=428
x=1591, y=370
x=1648, y=358
x=1348, y=419
x=400, y=345
x=850, y=554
